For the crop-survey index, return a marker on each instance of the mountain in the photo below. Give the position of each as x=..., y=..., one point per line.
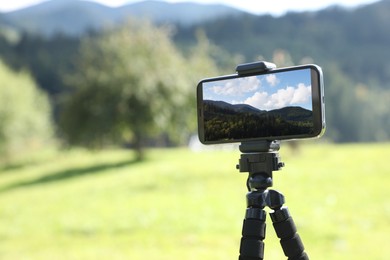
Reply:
x=244, y=108
x=66, y=16
x=290, y=113
x=224, y=107
x=185, y=13
x=74, y=17
x=293, y=113
x=224, y=121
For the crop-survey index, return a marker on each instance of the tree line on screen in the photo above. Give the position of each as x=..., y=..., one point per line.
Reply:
x=103, y=90
x=223, y=121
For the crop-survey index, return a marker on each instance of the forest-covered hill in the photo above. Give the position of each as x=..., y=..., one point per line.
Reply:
x=75, y=17
x=357, y=40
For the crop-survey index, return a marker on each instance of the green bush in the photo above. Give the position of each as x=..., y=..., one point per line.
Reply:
x=25, y=113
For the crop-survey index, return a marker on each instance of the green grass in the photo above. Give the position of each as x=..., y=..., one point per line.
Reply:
x=180, y=204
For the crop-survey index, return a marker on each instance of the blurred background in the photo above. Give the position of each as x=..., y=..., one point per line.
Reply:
x=98, y=122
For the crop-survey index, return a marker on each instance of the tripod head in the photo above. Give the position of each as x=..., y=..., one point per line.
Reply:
x=259, y=159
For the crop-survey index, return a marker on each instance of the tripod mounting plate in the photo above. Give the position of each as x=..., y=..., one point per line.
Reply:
x=259, y=146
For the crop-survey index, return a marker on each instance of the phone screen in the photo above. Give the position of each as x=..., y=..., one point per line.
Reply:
x=280, y=104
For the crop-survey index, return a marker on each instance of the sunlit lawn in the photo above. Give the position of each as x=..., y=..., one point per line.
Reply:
x=180, y=204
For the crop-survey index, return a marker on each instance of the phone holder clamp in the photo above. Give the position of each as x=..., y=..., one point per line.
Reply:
x=254, y=67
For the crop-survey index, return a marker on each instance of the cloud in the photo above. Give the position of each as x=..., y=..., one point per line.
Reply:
x=272, y=80
x=259, y=100
x=237, y=87
x=288, y=96
x=302, y=94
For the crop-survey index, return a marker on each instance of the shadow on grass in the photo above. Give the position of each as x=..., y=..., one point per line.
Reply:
x=69, y=174
x=11, y=167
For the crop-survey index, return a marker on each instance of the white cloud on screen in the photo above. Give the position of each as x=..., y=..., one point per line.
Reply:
x=272, y=80
x=302, y=94
x=237, y=87
x=289, y=96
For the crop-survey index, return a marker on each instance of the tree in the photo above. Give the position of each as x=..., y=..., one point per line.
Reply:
x=131, y=84
x=344, y=112
x=25, y=113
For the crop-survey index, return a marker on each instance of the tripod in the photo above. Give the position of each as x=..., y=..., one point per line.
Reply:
x=260, y=159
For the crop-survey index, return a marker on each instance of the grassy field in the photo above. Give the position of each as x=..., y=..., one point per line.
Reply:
x=180, y=204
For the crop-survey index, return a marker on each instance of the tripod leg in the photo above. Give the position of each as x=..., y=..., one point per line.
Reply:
x=287, y=233
x=253, y=234
x=253, y=229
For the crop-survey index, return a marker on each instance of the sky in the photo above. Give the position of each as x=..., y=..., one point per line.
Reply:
x=264, y=92
x=275, y=7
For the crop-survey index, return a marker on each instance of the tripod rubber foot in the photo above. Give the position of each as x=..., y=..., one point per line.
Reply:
x=249, y=258
x=304, y=256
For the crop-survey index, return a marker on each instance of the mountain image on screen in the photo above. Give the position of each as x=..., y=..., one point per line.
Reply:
x=225, y=121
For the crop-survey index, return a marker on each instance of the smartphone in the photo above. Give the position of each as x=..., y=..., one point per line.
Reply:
x=279, y=104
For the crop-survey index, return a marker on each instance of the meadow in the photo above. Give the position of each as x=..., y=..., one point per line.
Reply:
x=181, y=204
